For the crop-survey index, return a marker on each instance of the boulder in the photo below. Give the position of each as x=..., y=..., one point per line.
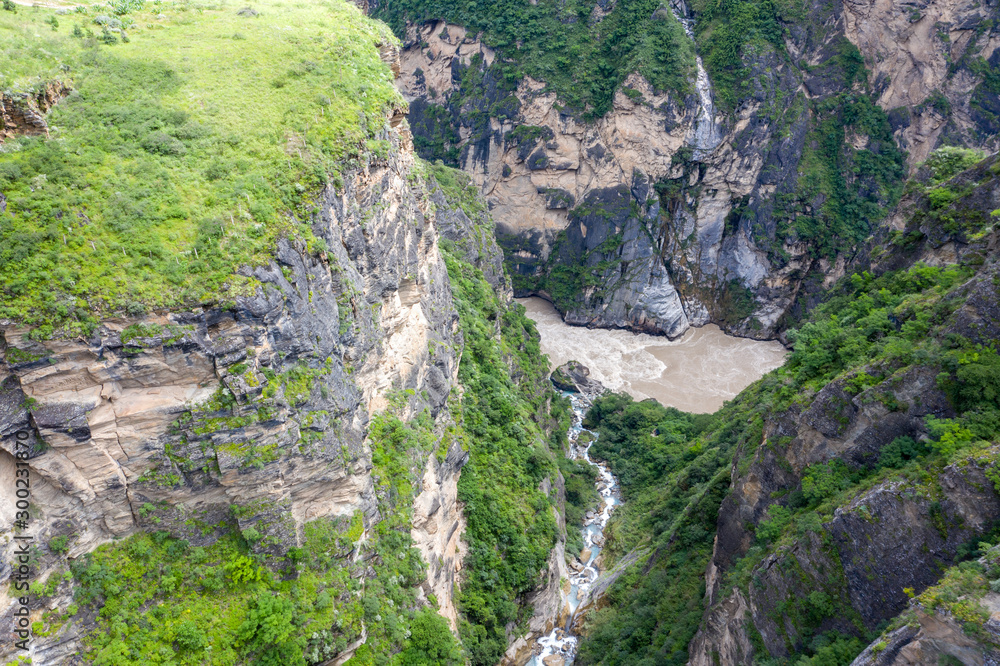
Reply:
x=575, y=378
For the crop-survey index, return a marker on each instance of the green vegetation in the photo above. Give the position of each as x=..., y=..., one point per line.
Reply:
x=674, y=468
x=511, y=524
x=729, y=31
x=178, y=156
x=583, y=61
x=945, y=211
x=581, y=496
x=459, y=189
x=151, y=592
x=856, y=186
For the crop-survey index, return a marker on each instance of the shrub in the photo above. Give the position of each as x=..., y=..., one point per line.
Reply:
x=949, y=435
x=191, y=637
x=59, y=545
x=900, y=451
x=949, y=161
x=162, y=143
x=431, y=642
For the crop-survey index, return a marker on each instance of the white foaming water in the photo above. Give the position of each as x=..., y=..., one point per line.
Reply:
x=696, y=373
x=560, y=642
x=706, y=132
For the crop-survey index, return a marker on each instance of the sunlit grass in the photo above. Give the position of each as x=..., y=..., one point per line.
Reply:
x=194, y=137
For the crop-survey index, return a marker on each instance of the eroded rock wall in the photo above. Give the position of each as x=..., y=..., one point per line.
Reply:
x=620, y=224
x=923, y=57
x=254, y=414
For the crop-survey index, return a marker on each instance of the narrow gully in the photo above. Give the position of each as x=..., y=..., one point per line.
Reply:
x=561, y=642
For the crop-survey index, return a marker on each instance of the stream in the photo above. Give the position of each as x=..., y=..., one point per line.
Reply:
x=696, y=372
x=560, y=643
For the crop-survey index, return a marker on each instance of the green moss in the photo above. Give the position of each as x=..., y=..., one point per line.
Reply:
x=15, y=355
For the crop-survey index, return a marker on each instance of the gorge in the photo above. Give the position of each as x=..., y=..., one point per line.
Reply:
x=294, y=299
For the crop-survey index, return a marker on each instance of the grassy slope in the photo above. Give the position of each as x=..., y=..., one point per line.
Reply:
x=180, y=154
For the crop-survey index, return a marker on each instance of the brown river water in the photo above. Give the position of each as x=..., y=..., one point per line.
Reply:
x=695, y=373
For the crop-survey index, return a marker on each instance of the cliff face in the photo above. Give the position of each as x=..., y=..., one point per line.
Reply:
x=627, y=221
x=868, y=547
x=929, y=65
x=106, y=407
x=259, y=409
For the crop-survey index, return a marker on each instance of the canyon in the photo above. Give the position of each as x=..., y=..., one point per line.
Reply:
x=292, y=388
x=576, y=201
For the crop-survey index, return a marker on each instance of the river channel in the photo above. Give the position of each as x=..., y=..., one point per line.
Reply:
x=696, y=373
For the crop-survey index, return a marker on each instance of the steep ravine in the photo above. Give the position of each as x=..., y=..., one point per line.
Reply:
x=361, y=450
x=559, y=645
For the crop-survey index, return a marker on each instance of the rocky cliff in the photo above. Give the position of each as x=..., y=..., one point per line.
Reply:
x=852, y=562
x=291, y=441
x=623, y=220
x=173, y=421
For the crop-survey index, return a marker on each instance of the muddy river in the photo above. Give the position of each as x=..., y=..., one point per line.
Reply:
x=696, y=372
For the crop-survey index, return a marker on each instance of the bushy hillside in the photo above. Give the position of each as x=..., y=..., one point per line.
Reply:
x=849, y=474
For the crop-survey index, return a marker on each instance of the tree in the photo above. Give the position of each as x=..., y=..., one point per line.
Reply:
x=431, y=642
x=269, y=632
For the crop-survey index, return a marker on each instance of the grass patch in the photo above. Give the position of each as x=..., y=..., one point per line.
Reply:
x=181, y=154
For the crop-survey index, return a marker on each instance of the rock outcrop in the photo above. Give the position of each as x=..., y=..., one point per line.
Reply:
x=438, y=525
x=575, y=377
x=937, y=638
x=621, y=222
x=23, y=113
x=926, y=60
